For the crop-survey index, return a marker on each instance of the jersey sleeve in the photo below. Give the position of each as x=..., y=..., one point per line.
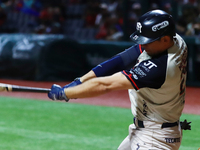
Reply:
x=150, y=73
x=130, y=56
x=121, y=61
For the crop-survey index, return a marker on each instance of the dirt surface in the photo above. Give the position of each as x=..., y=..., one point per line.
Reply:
x=116, y=99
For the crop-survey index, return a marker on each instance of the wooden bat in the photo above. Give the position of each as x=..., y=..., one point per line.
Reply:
x=13, y=88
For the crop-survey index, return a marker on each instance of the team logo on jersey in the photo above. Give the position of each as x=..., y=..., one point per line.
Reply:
x=139, y=27
x=150, y=64
x=160, y=26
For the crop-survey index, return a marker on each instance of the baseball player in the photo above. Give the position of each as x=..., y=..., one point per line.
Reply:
x=154, y=72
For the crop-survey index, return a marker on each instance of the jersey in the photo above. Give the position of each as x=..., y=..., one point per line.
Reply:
x=159, y=84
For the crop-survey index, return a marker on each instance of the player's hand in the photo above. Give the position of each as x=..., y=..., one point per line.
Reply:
x=76, y=82
x=57, y=93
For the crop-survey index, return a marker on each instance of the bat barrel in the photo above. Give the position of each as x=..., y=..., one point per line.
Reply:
x=30, y=89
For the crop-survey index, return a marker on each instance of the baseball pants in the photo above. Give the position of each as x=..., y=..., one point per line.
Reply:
x=152, y=136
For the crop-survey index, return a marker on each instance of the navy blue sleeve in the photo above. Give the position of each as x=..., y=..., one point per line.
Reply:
x=121, y=61
x=149, y=73
x=130, y=55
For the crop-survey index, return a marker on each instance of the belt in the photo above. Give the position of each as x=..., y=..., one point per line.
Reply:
x=140, y=124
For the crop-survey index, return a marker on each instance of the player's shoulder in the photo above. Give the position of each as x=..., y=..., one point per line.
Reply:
x=136, y=47
x=179, y=42
x=178, y=48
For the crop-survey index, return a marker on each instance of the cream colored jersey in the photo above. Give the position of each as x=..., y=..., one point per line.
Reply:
x=159, y=84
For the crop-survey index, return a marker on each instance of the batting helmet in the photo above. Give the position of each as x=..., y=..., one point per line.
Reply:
x=153, y=25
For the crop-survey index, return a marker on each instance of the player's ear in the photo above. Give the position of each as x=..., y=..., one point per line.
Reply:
x=166, y=39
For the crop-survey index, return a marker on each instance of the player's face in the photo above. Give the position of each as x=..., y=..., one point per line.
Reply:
x=158, y=46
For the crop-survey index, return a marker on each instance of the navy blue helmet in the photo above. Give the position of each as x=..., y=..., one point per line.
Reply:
x=153, y=25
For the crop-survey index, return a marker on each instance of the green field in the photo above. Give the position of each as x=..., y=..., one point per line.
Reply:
x=27, y=124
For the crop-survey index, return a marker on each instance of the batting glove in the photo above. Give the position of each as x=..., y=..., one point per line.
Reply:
x=76, y=82
x=185, y=125
x=57, y=93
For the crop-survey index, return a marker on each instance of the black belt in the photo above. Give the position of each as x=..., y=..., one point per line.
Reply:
x=164, y=125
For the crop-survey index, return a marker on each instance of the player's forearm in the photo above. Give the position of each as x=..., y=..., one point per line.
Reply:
x=98, y=86
x=87, y=76
x=91, y=88
x=81, y=80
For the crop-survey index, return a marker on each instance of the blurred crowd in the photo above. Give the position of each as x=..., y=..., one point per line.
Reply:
x=106, y=17
x=39, y=16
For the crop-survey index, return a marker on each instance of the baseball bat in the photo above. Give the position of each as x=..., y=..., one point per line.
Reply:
x=13, y=88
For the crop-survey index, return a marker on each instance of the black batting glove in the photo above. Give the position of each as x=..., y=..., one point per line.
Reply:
x=185, y=125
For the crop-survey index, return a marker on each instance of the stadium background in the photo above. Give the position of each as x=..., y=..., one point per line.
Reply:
x=40, y=39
